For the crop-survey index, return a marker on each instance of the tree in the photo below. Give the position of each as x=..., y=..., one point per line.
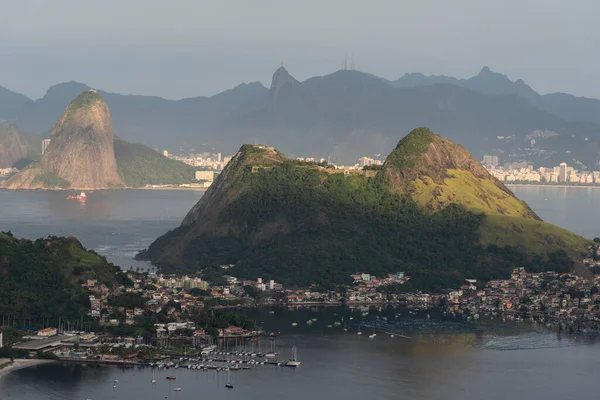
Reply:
x=252, y=291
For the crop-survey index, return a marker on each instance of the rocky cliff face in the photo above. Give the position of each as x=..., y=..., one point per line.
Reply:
x=12, y=147
x=436, y=172
x=81, y=153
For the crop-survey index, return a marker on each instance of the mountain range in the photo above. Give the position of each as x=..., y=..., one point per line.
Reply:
x=347, y=114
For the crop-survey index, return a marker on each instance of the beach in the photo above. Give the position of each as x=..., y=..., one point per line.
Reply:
x=6, y=367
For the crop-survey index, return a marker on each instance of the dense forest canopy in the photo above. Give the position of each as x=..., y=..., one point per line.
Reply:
x=43, y=278
x=301, y=225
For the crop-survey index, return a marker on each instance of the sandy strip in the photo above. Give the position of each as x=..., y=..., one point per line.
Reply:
x=18, y=364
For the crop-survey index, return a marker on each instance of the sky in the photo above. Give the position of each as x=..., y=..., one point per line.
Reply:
x=185, y=48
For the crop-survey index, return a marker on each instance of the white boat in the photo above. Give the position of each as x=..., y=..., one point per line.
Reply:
x=228, y=385
x=293, y=363
x=153, y=378
x=177, y=390
x=294, y=324
x=372, y=336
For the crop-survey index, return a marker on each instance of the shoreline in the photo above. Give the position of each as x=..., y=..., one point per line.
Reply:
x=18, y=364
x=100, y=190
x=552, y=186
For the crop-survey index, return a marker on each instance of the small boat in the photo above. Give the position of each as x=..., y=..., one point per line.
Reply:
x=293, y=363
x=228, y=385
x=271, y=312
x=116, y=381
x=294, y=324
x=372, y=336
x=153, y=378
x=177, y=390
x=170, y=378
x=80, y=196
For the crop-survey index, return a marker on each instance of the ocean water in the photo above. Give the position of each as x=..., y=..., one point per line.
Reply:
x=441, y=359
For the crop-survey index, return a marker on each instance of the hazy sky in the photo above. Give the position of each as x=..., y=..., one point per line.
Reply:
x=183, y=48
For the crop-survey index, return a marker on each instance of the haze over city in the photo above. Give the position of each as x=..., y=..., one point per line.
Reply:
x=187, y=48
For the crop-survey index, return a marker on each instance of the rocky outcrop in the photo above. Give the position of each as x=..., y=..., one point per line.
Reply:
x=81, y=153
x=281, y=78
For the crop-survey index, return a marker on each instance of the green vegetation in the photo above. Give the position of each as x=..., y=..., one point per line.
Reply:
x=435, y=172
x=530, y=235
x=477, y=194
x=139, y=166
x=299, y=224
x=42, y=278
x=84, y=100
x=51, y=181
x=407, y=152
x=128, y=300
x=302, y=226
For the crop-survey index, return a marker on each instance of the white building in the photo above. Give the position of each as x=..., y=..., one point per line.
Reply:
x=207, y=176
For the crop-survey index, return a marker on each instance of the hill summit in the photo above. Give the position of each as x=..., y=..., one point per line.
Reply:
x=81, y=152
x=436, y=172
x=303, y=223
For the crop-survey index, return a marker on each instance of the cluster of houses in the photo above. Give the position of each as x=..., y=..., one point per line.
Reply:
x=370, y=281
x=547, y=297
x=176, y=293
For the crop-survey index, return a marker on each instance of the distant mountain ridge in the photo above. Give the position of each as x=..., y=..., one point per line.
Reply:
x=348, y=114
x=11, y=103
x=563, y=105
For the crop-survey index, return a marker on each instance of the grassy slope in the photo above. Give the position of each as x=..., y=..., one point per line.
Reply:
x=464, y=188
x=139, y=165
x=533, y=236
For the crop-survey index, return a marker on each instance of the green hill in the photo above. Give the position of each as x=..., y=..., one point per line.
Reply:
x=139, y=166
x=42, y=278
x=300, y=223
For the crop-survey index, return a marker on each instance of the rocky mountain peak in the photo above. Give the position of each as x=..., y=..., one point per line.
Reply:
x=436, y=172
x=281, y=78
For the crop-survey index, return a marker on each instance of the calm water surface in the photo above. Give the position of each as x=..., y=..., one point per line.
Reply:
x=449, y=364
x=117, y=224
